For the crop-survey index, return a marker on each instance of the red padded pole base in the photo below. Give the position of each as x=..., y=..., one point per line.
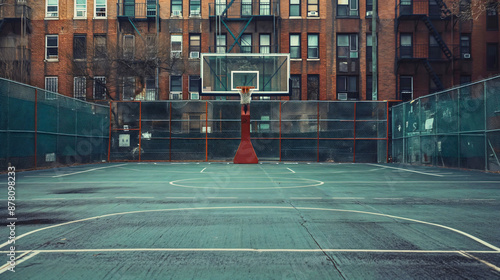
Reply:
x=246, y=153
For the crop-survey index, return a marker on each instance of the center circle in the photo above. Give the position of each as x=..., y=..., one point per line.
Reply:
x=247, y=183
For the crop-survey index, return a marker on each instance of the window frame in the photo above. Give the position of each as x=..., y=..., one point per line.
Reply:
x=411, y=91
x=350, y=50
x=218, y=39
x=490, y=60
x=492, y=16
x=49, y=80
x=465, y=45
x=192, y=47
x=351, y=8
x=310, y=7
x=309, y=89
x=263, y=47
x=294, y=5
x=51, y=13
x=80, y=8
x=295, y=88
x=47, y=56
x=100, y=6
x=98, y=53
x=295, y=47
x=243, y=43
x=312, y=47
x=175, y=53
x=191, y=83
x=132, y=56
x=80, y=87
x=172, y=84
x=194, y=4
x=96, y=87
x=84, y=49
x=178, y=7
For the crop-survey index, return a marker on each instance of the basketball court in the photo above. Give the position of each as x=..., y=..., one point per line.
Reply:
x=159, y=220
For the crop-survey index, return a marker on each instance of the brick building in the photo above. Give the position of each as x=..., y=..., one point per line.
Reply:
x=148, y=49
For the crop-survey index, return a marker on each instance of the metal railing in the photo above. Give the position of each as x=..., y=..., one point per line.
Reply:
x=419, y=7
x=241, y=9
x=422, y=51
x=18, y=9
x=136, y=10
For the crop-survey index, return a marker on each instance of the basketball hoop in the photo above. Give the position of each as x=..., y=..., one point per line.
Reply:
x=245, y=94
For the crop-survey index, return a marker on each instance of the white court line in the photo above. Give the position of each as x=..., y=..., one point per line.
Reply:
x=93, y=169
x=348, y=198
x=480, y=260
x=255, y=250
x=203, y=170
x=55, y=198
x=180, y=197
x=227, y=197
x=484, y=243
x=311, y=198
x=407, y=170
x=134, y=197
x=291, y=170
x=19, y=260
x=388, y=198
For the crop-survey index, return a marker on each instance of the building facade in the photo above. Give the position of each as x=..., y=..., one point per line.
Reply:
x=150, y=49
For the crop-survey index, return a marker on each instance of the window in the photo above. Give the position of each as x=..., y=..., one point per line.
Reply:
x=128, y=88
x=246, y=7
x=295, y=46
x=150, y=89
x=406, y=46
x=80, y=8
x=79, y=47
x=369, y=8
x=369, y=50
x=347, y=45
x=175, y=83
x=492, y=56
x=296, y=88
x=195, y=8
x=79, y=88
x=194, y=45
x=99, y=91
x=434, y=49
x=434, y=9
x=176, y=45
x=220, y=6
x=128, y=46
x=246, y=43
x=151, y=46
x=51, y=84
x=265, y=43
x=176, y=8
x=492, y=16
x=295, y=8
x=406, y=87
x=264, y=7
x=369, y=88
x=406, y=7
x=347, y=87
x=465, y=46
x=220, y=43
x=51, y=47
x=52, y=8
x=312, y=8
x=312, y=46
x=100, y=8
x=100, y=47
x=347, y=8
x=313, y=87
x=194, y=83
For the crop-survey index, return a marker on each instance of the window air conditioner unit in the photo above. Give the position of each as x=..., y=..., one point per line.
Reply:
x=176, y=13
x=342, y=96
x=194, y=55
x=195, y=13
x=175, y=96
x=176, y=54
x=369, y=13
x=312, y=14
x=467, y=55
x=194, y=95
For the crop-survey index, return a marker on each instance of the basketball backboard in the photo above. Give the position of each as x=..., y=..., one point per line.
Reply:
x=222, y=73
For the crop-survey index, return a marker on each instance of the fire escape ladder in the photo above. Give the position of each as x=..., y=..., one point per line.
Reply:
x=444, y=8
x=438, y=38
x=434, y=77
x=224, y=13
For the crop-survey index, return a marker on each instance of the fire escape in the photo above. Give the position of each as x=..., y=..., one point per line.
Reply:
x=131, y=14
x=15, y=52
x=428, y=12
x=236, y=17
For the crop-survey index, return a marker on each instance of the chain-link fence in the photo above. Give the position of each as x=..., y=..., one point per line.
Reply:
x=40, y=128
x=459, y=127
x=280, y=130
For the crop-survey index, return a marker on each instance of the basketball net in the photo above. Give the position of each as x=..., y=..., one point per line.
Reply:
x=245, y=94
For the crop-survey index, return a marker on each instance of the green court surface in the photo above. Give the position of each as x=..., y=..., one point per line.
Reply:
x=265, y=221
